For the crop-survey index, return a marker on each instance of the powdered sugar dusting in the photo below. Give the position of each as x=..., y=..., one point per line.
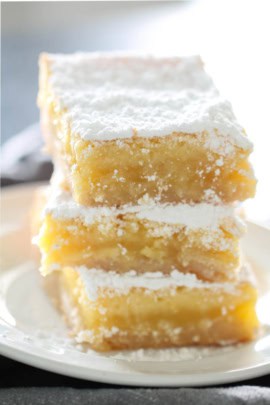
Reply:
x=96, y=280
x=119, y=95
x=173, y=354
x=198, y=216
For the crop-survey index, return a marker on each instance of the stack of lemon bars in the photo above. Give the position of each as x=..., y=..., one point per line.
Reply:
x=140, y=220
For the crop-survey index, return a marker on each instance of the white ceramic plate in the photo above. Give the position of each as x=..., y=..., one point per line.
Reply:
x=32, y=332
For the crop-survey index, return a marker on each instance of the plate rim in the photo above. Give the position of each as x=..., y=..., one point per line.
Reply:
x=121, y=378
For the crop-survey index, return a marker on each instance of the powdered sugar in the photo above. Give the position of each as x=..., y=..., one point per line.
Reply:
x=198, y=216
x=96, y=280
x=172, y=355
x=118, y=95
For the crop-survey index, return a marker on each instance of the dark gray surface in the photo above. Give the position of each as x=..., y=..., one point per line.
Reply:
x=145, y=396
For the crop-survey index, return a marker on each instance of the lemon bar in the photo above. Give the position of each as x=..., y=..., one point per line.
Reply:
x=130, y=311
x=202, y=239
x=123, y=126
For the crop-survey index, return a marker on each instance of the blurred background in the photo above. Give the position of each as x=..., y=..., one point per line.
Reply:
x=231, y=35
